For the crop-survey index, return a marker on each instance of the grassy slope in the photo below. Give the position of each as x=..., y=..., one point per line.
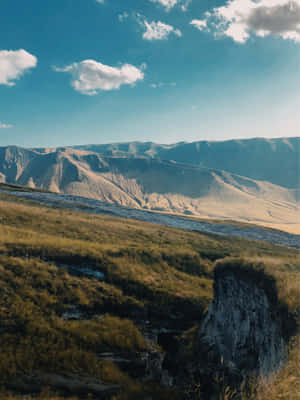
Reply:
x=150, y=271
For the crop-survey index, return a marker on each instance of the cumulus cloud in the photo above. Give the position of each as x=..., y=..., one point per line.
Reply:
x=5, y=126
x=238, y=19
x=159, y=30
x=13, y=64
x=89, y=76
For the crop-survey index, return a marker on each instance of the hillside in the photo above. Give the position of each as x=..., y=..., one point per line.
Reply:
x=91, y=305
x=273, y=160
x=209, y=226
x=152, y=184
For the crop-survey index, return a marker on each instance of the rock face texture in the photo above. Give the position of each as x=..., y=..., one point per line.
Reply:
x=242, y=326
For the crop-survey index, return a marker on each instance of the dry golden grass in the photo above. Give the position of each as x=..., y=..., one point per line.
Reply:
x=146, y=267
x=285, y=385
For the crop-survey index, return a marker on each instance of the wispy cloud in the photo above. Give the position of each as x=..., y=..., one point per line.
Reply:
x=13, y=64
x=5, y=126
x=169, y=4
x=239, y=19
x=123, y=16
x=89, y=77
x=155, y=30
x=185, y=5
x=156, y=85
x=161, y=84
x=159, y=30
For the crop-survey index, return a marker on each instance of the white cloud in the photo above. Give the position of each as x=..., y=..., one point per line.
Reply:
x=159, y=30
x=238, y=19
x=169, y=4
x=100, y=1
x=13, y=64
x=200, y=24
x=5, y=126
x=89, y=76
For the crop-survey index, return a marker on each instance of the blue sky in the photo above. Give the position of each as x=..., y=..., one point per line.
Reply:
x=157, y=70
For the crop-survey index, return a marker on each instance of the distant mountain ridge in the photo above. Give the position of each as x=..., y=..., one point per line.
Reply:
x=142, y=181
x=273, y=160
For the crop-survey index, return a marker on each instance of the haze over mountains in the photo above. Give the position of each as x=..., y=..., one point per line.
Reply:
x=273, y=160
x=253, y=180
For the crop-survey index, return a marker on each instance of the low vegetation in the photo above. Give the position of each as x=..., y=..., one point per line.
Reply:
x=150, y=272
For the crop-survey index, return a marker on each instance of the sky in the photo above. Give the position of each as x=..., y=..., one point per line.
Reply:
x=100, y=71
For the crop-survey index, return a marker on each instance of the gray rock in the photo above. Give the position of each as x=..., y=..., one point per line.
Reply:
x=241, y=328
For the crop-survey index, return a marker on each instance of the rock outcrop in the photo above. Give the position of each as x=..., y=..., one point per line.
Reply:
x=243, y=335
x=244, y=324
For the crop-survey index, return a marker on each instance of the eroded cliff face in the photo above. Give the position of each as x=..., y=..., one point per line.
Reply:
x=242, y=326
x=243, y=336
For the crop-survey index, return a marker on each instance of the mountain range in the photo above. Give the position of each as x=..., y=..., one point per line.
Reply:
x=255, y=180
x=273, y=160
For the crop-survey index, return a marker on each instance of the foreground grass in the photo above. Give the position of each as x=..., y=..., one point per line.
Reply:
x=150, y=271
x=286, y=383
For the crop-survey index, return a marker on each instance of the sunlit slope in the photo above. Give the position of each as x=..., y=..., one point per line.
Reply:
x=153, y=184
